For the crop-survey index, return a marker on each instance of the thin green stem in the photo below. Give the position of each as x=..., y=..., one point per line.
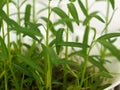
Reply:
x=49, y=72
x=107, y=16
x=9, y=51
x=14, y=77
x=19, y=22
x=85, y=52
x=33, y=17
x=22, y=81
x=67, y=38
x=34, y=11
x=47, y=31
x=103, y=49
x=5, y=63
x=8, y=32
x=86, y=3
x=18, y=14
x=66, y=49
x=8, y=41
x=66, y=56
x=3, y=32
x=84, y=71
x=6, y=75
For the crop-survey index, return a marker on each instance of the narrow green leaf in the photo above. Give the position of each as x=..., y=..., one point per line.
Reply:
x=97, y=63
x=21, y=68
x=2, y=3
x=92, y=15
x=82, y=7
x=73, y=12
x=104, y=74
x=51, y=26
x=28, y=32
x=111, y=48
x=59, y=39
x=77, y=53
x=63, y=15
x=32, y=49
x=15, y=46
x=108, y=36
x=89, y=17
x=105, y=86
x=49, y=51
x=3, y=48
x=52, y=42
x=72, y=0
x=66, y=62
x=44, y=49
x=1, y=22
x=73, y=44
x=31, y=63
x=85, y=38
x=93, y=61
x=53, y=56
x=27, y=14
x=99, y=18
x=9, y=21
x=112, y=3
x=35, y=28
x=56, y=61
x=2, y=74
x=38, y=56
x=14, y=26
x=37, y=78
x=60, y=12
x=62, y=21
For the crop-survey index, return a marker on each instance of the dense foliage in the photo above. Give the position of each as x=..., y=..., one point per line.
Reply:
x=50, y=61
